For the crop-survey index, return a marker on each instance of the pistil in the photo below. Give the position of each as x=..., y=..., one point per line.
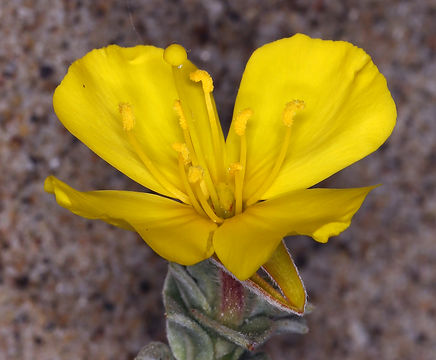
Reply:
x=175, y=55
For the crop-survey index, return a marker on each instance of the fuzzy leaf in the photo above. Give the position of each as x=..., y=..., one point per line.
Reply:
x=155, y=351
x=283, y=326
x=187, y=339
x=189, y=291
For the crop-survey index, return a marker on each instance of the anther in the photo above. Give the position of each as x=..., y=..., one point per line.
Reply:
x=179, y=111
x=128, y=119
x=127, y=116
x=183, y=150
x=204, y=77
x=175, y=55
x=195, y=174
x=235, y=168
x=193, y=157
x=240, y=123
x=203, y=188
x=207, y=86
x=290, y=111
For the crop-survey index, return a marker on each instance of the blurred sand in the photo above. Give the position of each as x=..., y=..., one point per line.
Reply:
x=77, y=289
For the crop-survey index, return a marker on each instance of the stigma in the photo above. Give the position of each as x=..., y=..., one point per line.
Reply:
x=175, y=55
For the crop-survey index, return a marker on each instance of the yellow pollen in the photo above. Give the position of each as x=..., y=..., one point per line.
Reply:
x=183, y=150
x=203, y=188
x=204, y=77
x=128, y=119
x=241, y=121
x=234, y=168
x=240, y=126
x=127, y=116
x=187, y=186
x=179, y=111
x=195, y=174
x=193, y=157
x=207, y=86
x=290, y=111
x=175, y=55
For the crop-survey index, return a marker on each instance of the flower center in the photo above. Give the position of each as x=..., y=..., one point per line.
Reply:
x=213, y=190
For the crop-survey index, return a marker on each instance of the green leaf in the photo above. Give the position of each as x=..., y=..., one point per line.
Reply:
x=187, y=339
x=190, y=293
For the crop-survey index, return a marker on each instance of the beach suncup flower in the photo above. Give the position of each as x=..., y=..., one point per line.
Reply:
x=306, y=108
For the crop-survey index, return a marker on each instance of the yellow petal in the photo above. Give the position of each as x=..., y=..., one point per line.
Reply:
x=348, y=113
x=87, y=103
x=174, y=230
x=245, y=242
x=319, y=213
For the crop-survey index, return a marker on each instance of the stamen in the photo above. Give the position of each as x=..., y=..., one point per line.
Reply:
x=291, y=109
x=175, y=55
x=241, y=121
x=204, y=77
x=195, y=176
x=189, y=143
x=184, y=160
x=127, y=116
x=234, y=168
x=128, y=120
x=240, y=125
x=204, y=190
x=207, y=84
x=179, y=111
x=182, y=149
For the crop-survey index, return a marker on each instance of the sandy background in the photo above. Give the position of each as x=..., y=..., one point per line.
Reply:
x=76, y=289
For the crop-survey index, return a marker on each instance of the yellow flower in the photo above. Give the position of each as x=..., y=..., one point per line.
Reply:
x=306, y=108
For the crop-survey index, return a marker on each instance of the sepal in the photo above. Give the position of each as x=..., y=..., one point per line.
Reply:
x=286, y=289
